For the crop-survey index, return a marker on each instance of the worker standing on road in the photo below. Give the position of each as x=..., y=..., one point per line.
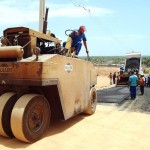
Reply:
x=133, y=82
x=110, y=77
x=114, y=78
x=142, y=83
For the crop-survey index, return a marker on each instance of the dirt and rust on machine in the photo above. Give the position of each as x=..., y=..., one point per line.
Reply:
x=38, y=83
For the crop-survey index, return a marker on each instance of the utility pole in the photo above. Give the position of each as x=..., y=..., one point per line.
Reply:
x=41, y=14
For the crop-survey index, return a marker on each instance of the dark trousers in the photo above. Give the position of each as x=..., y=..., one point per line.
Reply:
x=142, y=89
x=77, y=47
x=133, y=91
x=114, y=80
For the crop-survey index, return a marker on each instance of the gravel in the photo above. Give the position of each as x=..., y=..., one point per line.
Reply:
x=140, y=104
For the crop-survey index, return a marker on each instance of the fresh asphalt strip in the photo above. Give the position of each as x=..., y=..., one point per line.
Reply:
x=113, y=95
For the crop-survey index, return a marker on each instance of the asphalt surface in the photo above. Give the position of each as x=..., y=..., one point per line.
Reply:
x=120, y=96
x=113, y=94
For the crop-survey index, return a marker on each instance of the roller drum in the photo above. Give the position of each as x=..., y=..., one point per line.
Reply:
x=11, y=52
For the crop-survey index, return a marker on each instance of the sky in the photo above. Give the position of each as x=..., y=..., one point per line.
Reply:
x=114, y=27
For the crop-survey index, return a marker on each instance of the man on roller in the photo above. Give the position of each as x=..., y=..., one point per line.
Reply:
x=77, y=37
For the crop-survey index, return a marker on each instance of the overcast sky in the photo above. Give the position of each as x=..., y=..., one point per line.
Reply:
x=114, y=27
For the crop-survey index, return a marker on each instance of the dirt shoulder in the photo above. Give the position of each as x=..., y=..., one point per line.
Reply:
x=103, y=80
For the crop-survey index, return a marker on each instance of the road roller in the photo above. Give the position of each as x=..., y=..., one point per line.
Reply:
x=38, y=83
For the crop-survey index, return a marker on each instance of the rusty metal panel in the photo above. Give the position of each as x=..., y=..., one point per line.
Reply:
x=73, y=77
x=17, y=71
x=44, y=36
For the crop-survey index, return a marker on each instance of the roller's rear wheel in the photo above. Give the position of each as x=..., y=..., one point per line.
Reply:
x=7, y=101
x=30, y=117
x=92, y=102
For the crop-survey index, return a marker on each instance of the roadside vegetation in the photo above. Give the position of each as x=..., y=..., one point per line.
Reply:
x=117, y=61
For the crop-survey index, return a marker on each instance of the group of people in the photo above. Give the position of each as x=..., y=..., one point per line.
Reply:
x=112, y=78
x=134, y=81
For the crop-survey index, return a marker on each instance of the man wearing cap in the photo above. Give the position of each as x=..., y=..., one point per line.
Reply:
x=77, y=38
x=133, y=82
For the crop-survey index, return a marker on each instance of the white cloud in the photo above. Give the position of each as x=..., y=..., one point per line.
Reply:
x=80, y=12
x=20, y=12
x=14, y=12
x=119, y=37
x=73, y=10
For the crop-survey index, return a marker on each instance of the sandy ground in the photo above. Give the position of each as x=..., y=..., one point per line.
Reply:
x=103, y=73
x=109, y=128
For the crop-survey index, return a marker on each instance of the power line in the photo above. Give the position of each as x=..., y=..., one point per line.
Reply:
x=80, y=5
x=99, y=26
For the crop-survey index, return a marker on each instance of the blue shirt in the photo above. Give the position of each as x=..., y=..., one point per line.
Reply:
x=77, y=38
x=133, y=80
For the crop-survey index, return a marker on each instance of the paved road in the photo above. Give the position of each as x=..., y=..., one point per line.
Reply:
x=113, y=94
x=120, y=97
